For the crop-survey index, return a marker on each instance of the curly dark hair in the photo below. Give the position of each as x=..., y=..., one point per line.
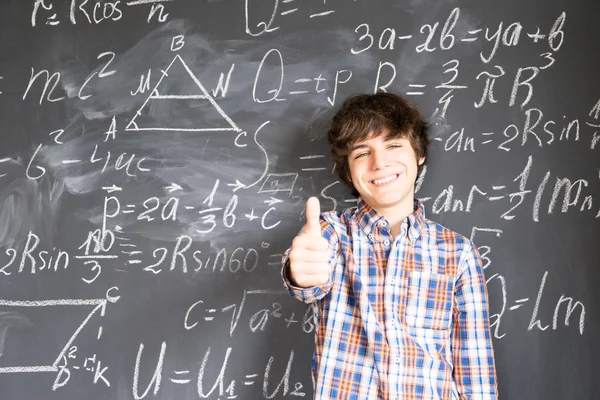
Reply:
x=363, y=116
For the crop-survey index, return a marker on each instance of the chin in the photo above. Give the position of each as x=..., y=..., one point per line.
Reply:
x=384, y=202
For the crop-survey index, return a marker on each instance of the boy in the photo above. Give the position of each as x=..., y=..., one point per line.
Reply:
x=400, y=302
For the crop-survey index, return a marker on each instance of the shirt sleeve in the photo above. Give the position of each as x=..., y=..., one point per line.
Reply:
x=472, y=350
x=312, y=294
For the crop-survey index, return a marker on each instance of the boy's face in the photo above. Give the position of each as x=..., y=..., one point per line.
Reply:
x=384, y=172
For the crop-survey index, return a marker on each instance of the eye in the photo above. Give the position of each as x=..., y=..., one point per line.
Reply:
x=359, y=155
x=394, y=146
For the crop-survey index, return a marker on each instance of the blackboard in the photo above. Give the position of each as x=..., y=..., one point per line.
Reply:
x=156, y=156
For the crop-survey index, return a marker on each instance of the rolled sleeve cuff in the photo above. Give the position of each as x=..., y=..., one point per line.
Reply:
x=306, y=295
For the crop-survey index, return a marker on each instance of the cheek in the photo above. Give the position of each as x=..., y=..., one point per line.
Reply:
x=353, y=172
x=410, y=161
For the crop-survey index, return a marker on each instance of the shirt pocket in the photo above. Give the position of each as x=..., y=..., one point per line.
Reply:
x=429, y=300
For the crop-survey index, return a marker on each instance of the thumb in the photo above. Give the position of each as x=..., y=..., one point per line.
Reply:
x=313, y=210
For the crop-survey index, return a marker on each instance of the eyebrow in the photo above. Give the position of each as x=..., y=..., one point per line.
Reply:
x=358, y=146
x=364, y=146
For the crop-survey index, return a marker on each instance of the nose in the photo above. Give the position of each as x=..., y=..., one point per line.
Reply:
x=379, y=160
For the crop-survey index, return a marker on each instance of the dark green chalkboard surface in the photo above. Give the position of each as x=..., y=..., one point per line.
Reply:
x=156, y=156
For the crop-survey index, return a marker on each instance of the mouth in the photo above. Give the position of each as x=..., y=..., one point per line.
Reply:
x=383, y=181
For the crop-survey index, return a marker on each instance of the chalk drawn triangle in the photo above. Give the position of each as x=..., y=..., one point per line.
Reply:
x=219, y=120
x=100, y=306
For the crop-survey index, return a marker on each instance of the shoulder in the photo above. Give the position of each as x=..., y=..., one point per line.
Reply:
x=339, y=221
x=458, y=251
x=445, y=237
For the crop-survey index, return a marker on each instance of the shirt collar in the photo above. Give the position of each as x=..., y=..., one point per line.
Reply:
x=368, y=219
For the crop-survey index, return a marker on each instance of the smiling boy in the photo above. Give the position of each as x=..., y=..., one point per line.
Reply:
x=400, y=302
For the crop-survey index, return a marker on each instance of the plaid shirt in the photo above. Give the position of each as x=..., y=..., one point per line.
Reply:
x=404, y=318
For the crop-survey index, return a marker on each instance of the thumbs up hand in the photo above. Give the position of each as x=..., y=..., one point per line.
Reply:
x=313, y=210
x=309, y=255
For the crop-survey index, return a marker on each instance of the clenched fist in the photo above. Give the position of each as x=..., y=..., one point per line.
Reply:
x=310, y=251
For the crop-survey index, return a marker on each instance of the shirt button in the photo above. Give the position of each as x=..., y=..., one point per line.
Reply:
x=386, y=242
x=382, y=223
x=392, y=281
x=370, y=235
x=397, y=360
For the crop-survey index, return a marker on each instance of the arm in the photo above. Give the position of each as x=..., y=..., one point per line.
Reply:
x=312, y=294
x=472, y=351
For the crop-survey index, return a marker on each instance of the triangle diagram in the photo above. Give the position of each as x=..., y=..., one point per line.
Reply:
x=179, y=102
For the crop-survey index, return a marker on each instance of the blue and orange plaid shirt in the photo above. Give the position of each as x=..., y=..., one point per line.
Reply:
x=400, y=318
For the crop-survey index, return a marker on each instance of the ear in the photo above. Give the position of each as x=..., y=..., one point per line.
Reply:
x=421, y=160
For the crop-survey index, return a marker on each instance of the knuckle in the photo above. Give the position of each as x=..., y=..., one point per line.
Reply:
x=300, y=242
x=293, y=257
x=296, y=241
x=303, y=268
x=294, y=267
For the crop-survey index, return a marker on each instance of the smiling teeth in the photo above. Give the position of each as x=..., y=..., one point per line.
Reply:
x=385, y=180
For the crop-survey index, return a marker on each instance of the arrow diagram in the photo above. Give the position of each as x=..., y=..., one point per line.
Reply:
x=113, y=188
x=173, y=187
x=237, y=185
x=272, y=201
